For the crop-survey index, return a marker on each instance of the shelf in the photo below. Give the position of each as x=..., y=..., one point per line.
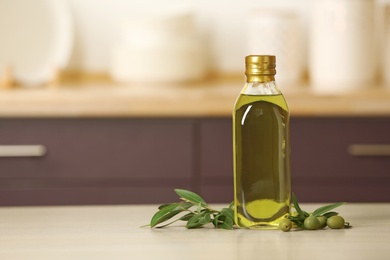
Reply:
x=213, y=98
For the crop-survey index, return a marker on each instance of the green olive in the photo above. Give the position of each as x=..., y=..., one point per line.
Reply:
x=311, y=223
x=335, y=222
x=322, y=220
x=285, y=225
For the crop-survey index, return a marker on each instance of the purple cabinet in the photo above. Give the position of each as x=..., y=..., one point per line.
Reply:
x=324, y=166
x=141, y=160
x=95, y=161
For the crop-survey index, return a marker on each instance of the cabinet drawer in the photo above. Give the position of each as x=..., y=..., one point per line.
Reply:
x=216, y=149
x=99, y=148
x=321, y=147
x=216, y=160
x=323, y=167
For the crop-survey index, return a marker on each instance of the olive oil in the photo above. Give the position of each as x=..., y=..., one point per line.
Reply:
x=261, y=154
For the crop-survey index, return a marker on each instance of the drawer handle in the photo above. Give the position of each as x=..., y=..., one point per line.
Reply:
x=369, y=150
x=22, y=150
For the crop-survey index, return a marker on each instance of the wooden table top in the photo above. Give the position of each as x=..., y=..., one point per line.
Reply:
x=113, y=232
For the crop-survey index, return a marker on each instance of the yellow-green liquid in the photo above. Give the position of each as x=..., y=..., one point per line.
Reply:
x=261, y=161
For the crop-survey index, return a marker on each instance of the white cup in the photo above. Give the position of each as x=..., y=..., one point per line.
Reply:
x=386, y=47
x=278, y=33
x=342, y=45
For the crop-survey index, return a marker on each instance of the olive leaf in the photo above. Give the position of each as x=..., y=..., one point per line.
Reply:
x=187, y=216
x=199, y=220
x=330, y=214
x=326, y=208
x=228, y=213
x=169, y=211
x=218, y=220
x=225, y=219
x=228, y=224
x=201, y=216
x=165, y=205
x=190, y=196
x=297, y=207
x=161, y=215
x=199, y=209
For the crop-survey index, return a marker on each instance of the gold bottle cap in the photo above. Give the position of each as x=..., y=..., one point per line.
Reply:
x=260, y=68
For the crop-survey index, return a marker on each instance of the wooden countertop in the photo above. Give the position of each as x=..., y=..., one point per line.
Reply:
x=113, y=232
x=203, y=99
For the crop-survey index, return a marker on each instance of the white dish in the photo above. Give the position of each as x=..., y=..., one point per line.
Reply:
x=36, y=39
x=162, y=47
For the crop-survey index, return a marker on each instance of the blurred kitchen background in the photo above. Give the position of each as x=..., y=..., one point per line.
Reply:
x=120, y=101
x=119, y=38
x=221, y=29
x=225, y=32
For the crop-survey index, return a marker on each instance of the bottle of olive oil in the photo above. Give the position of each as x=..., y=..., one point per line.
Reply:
x=262, y=182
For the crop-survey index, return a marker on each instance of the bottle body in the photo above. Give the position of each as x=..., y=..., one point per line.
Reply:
x=262, y=182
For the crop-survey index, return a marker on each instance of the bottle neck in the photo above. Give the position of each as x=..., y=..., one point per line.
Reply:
x=260, y=78
x=261, y=87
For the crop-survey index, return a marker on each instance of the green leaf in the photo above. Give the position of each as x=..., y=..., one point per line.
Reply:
x=190, y=196
x=231, y=205
x=167, y=224
x=326, y=208
x=296, y=206
x=164, y=214
x=165, y=205
x=225, y=219
x=227, y=224
x=168, y=212
x=187, y=217
x=204, y=218
x=193, y=225
x=330, y=214
x=218, y=219
x=229, y=213
x=298, y=218
x=199, y=209
x=199, y=220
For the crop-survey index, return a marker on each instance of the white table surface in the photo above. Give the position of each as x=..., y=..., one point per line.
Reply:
x=113, y=232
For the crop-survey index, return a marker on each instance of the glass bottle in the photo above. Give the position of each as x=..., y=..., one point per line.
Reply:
x=261, y=147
